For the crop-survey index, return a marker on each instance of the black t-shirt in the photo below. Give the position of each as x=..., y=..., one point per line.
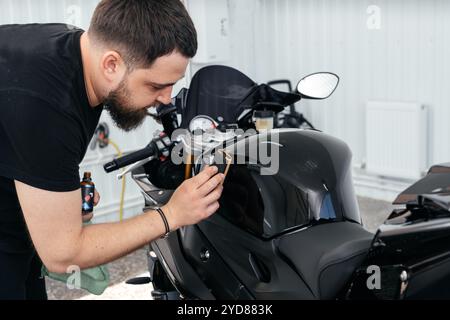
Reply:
x=46, y=122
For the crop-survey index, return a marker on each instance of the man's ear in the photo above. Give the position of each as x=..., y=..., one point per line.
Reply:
x=112, y=66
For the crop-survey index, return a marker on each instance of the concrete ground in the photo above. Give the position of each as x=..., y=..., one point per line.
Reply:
x=373, y=213
x=123, y=291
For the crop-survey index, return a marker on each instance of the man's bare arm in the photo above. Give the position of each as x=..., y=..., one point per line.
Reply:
x=55, y=223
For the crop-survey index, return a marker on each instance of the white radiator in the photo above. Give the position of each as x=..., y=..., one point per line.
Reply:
x=396, y=139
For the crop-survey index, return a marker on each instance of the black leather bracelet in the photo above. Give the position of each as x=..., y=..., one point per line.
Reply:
x=166, y=223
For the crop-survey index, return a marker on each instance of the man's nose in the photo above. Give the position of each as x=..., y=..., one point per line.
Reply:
x=165, y=96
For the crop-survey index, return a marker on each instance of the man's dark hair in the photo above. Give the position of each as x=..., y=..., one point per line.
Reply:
x=144, y=30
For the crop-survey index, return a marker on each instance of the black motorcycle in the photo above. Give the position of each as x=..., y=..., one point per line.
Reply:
x=290, y=230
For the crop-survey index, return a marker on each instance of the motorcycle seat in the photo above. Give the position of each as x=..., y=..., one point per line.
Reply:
x=325, y=256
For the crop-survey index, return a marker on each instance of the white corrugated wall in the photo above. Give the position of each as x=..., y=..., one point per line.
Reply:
x=383, y=50
x=407, y=59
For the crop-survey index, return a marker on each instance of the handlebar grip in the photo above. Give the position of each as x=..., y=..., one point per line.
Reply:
x=131, y=158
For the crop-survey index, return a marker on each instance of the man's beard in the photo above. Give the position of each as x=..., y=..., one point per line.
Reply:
x=124, y=116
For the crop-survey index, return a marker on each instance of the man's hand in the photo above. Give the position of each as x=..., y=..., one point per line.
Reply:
x=88, y=217
x=195, y=200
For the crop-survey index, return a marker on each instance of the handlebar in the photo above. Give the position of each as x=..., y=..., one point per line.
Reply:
x=116, y=164
x=159, y=147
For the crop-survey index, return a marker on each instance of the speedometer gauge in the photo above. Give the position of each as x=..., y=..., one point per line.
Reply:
x=202, y=124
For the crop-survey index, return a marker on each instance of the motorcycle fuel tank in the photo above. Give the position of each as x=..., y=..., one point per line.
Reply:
x=302, y=179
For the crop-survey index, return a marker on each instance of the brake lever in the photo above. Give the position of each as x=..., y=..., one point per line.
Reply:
x=134, y=166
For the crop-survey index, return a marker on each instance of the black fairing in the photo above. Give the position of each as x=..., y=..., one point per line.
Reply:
x=310, y=263
x=412, y=248
x=437, y=181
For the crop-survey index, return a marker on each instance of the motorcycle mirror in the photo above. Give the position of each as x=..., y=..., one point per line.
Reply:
x=318, y=85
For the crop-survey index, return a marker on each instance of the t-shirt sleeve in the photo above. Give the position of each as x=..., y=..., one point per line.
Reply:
x=40, y=145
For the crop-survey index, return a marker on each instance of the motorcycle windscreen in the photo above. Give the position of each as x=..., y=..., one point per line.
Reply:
x=312, y=184
x=216, y=91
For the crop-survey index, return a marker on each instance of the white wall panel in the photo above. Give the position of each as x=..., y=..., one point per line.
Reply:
x=405, y=60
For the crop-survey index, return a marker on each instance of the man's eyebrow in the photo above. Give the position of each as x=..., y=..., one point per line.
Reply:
x=162, y=85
